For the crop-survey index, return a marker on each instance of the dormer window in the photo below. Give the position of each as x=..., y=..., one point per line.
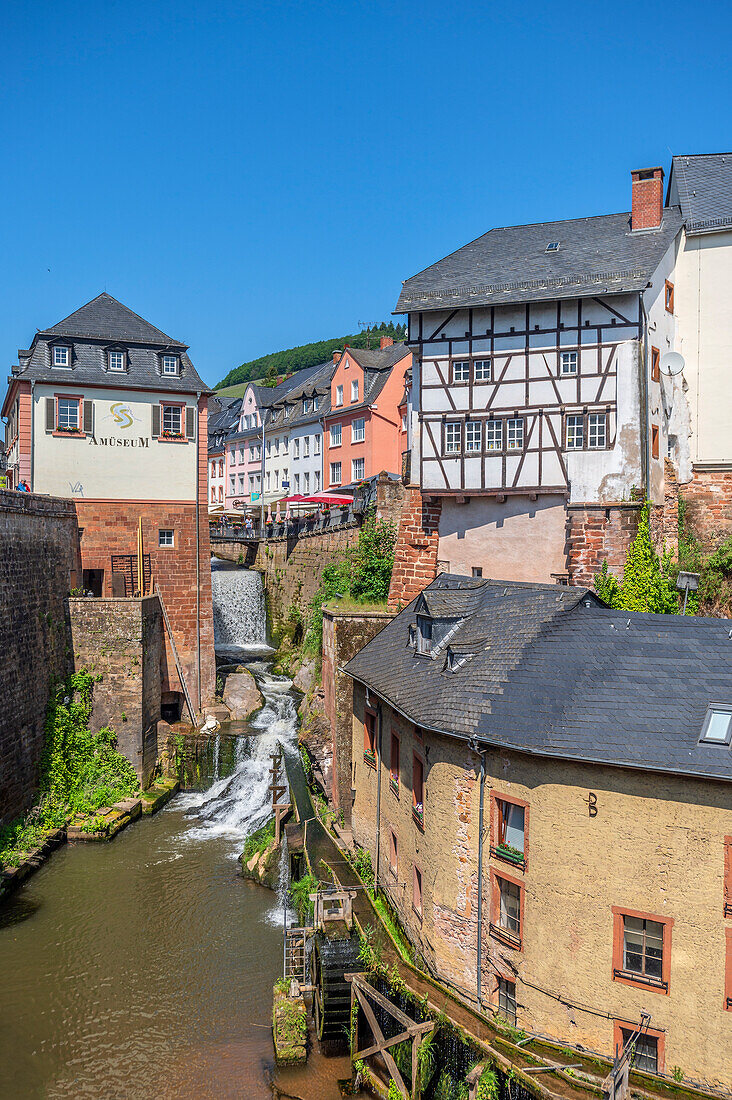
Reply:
x=61, y=356
x=306, y=405
x=412, y=635
x=717, y=728
x=115, y=360
x=424, y=635
x=170, y=365
x=287, y=412
x=315, y=403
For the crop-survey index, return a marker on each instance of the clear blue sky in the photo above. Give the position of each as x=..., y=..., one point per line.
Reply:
x=257, y=175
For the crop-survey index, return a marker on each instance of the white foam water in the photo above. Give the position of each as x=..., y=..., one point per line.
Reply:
x=239, y=614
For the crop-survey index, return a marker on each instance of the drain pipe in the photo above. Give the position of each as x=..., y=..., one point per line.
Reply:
x=645, y=402
x=198, y=546
x=481, y=753
x=378, y=796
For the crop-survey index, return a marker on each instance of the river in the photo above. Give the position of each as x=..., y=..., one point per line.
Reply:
x=144, y=967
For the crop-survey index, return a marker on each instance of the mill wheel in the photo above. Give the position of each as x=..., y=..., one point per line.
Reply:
x=331, y=958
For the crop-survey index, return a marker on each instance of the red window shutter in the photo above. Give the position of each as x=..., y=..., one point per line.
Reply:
x=155, y=421
x=50, y=414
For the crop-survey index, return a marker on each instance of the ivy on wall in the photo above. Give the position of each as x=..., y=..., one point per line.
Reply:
x=647, y=583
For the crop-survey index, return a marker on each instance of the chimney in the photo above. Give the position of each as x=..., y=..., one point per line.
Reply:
x=647, y=208
x=337, y=354
x=385, y=342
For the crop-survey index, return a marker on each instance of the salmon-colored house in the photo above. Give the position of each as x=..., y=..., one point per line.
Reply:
x=364, y=426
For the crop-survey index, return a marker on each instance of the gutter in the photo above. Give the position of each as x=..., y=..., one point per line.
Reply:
x=479, y=963
x=645, y=433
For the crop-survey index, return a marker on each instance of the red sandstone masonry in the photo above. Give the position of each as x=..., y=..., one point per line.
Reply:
x=596, y=533
x=415, y=555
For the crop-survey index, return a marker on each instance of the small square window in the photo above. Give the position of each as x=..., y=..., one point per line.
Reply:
x=461, y=370
x=116, y=360
x=170, y=364
x=68, y=413
x=494, y=435
x=473, y=435
x=477, y=570
x=165, y=537
x=553, y=246
x=717, y=728
x=424, y=634
x=568, y=363
x=597, y=430
x=482, y=370
x=507, y=1001
x=60, y=357
x=171, y=420
x=646, y=1050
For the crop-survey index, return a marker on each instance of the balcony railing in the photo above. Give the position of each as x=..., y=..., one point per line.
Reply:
x=510, y=855
x=643, y=979
x=369, y=758
x=313, y=524
x=512, y=939
x=418, y=815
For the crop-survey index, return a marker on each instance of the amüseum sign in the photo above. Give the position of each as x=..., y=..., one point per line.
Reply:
x=111, y=441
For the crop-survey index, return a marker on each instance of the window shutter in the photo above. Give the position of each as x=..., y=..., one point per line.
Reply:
x=50, y=413
x=156, y=421
x=89, y=417
x=190, y=422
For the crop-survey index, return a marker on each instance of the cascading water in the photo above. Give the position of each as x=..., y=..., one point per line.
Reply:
x=239, y=614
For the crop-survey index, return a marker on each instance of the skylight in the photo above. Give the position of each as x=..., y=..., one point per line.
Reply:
x=553, y=246
x=717, y=728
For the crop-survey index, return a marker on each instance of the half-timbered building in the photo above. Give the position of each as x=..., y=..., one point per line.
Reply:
x=546, y=409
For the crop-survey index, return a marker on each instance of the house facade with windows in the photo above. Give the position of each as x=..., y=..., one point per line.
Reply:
x=547, y=398
x=107, y=409
x=364, y=426
x=294, y=448
x=223, y=420
x=244, y=449
x=553, y=822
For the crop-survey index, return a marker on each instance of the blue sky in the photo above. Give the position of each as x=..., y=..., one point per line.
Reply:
x=253, y=176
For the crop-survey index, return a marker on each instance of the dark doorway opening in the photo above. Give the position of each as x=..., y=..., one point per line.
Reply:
x=171, y=706
x=94, y=581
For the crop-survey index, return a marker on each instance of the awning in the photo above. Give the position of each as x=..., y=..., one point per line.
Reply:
x=318, y=498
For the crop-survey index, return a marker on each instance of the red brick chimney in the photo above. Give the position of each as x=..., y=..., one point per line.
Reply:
x=337, y=354
x=385, y=342
x=647, y=208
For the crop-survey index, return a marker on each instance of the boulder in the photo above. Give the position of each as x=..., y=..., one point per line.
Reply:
x=241, y=695
x=305, y=675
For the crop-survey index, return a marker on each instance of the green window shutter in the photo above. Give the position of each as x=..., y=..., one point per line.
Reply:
x=156, y=421
x=50, y=413
x=190, y=422
x=88, y=417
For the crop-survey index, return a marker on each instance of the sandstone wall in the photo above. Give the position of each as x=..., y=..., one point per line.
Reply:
x=39, y=565
x=121, y=640
x=415, y=557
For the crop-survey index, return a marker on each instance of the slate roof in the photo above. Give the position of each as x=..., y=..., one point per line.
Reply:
x=703, y=184
x=90, y=331
x=223, y=418
x=553, y=672
x=599, y=255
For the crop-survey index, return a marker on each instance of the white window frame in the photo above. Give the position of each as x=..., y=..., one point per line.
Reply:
x=597, y=431
x=515, y=433
x=354, y=389
x=316, y=481
x=483, y=370
x=358, y=430
x=336, y=435
x=170, y=365
x=315, y=404
x=296, y=448
x=66, y=356
x=116, y=357
x=494, y=435
x=305, y=405
x=166, y=538
x=63, y=419
x=169, y=411
x=575, y=432
x=473, y=445
x=461, y=370
x=306, y=446
x=358, y=469
x=333, y=479
x=339, y=396
x=453, y=437
x=306, y=482
x=297, y=483
x=568, y=364
x=316, y=444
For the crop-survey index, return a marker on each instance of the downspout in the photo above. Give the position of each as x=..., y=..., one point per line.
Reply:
x=378, y=797
x=198, y=553
x=645, y=452
x=32, y=440
x=482, y=753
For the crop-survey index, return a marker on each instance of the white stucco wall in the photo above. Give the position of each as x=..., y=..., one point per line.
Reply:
x=120, y=460
x=311, y=464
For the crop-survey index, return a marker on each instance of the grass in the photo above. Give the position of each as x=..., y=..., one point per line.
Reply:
x=257, y=842
x=348, y=603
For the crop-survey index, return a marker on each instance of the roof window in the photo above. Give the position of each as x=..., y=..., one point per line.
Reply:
x=553, y=246
x=61, y=356
x=424, y=635
x=717, y=728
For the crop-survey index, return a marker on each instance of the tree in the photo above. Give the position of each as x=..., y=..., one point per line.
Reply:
x=646, y=584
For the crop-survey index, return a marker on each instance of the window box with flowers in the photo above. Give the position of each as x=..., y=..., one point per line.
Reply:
x=418, y=814
x=69, y=429
x=509, y=853
x=369, y=758
x=167, y=434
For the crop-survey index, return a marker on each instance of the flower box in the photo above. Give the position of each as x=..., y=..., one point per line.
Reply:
x=510, y=854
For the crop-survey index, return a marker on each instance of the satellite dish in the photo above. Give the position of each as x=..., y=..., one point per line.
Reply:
x=672, y=363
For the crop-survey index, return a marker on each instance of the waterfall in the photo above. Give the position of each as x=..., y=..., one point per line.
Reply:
x=239, y=614
x=239, y=804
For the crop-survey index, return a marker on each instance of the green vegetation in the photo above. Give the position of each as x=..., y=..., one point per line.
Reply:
x=276, y=364
x=299, y=892
x=361, y=576
x=488, y=1085
x=649, y=583
x=79, y=772
x=259, y=841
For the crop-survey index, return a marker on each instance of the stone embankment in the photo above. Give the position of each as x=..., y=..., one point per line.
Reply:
x=289, y=1025
x=241, y=694
x=260, y=860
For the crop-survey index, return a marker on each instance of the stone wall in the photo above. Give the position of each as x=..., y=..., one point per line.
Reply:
x=344, y=634
x=598, y=532
x=38, y=567
x=415, y=557
x=121, y=641
x=708, y=498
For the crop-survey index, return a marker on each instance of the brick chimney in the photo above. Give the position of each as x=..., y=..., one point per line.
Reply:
x=647, y=208
x=337, y=354
x=385, y=342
